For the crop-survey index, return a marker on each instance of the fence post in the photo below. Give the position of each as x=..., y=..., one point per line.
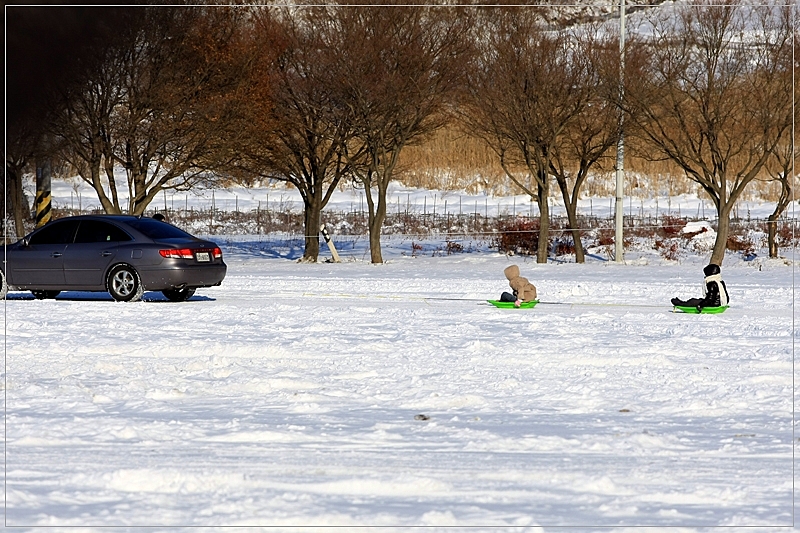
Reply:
x=656, y=210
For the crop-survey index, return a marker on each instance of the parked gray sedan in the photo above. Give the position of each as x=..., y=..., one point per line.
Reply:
x=124, y=255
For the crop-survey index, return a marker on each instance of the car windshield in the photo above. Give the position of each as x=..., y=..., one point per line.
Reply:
x=157, y=230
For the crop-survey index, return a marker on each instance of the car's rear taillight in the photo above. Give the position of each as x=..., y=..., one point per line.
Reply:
x=217, y=253
x=183, y=253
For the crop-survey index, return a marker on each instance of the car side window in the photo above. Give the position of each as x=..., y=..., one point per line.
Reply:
x=98, y=231
x=55, y=233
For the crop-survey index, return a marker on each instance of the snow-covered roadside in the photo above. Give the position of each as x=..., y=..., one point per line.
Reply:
x=292, y=394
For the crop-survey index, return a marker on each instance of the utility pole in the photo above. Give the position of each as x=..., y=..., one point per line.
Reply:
x=618, y=216
x=43, y=192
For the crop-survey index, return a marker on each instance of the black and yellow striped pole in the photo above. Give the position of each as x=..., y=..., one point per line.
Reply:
x=43, y=194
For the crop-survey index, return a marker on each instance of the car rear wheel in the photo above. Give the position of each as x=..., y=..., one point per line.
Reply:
x=178, y=295
x=124, y=284
x=45, y=295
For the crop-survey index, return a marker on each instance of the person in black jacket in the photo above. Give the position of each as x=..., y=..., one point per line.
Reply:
x=715, y=294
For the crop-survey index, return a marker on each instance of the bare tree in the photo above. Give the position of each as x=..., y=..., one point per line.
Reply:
x=523, y=95
x=706, y=92
x=397, y=67
x=154, y=99
x=296, y=130
x=177, y=115
x=82, y=127
x=50, y=51
x=21, y=142
x=781, y=168
x=589, y=135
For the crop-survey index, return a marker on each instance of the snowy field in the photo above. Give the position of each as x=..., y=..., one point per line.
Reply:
x=304, y=396
x=76, y=194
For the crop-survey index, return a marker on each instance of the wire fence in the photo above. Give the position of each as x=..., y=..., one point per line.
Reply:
x=410, y=223
x=518, y=232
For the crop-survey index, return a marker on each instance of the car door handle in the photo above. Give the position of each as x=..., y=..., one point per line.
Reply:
x=56, y=254
x=106, y=253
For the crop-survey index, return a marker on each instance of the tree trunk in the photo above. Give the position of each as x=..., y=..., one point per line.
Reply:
x=311, y=221
x=141, y=196
x=375, y=241
x=544, y=224
x=97, y=184
x=723, y=229
x=772, y=220
x=772, y=226
x=136, y=202
x=572, y=217
x=19, y=204
x=112, y=183
x=377, y=214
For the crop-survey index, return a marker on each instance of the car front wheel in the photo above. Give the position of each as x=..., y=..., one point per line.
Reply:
x=124, y=284
x=178, y=295
x=45, y=295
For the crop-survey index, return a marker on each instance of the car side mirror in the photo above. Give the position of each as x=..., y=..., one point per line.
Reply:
x=25, y=242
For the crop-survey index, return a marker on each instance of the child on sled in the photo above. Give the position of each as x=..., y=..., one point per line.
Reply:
x=522, y=289
x=715, y=294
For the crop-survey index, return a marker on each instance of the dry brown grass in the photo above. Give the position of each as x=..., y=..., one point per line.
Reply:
x=450, y=160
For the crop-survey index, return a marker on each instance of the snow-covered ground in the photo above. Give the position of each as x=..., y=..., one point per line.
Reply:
x=394, y=396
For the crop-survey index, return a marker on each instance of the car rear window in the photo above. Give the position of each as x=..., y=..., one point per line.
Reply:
x=156, y=230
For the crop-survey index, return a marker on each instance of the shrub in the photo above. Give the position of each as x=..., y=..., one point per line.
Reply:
x=519, y=236
x=563, y=246
x=669, y=249
x=786, y=234
x=454, y=247
x=671, y=226
x=740, y=243
x=605, y=236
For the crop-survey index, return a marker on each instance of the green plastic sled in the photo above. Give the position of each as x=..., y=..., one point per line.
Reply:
x=706, y=310
x=510, y=305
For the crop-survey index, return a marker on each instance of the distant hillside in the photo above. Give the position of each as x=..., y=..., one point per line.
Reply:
x=567, y=13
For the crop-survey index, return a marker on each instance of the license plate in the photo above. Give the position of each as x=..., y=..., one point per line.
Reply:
x=203, y=257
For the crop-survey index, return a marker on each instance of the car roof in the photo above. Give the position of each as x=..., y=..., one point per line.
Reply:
x=116, y=218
